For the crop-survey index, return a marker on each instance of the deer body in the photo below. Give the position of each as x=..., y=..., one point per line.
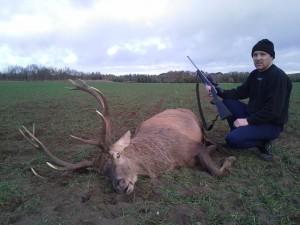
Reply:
x=168, y=140
x=171, y=139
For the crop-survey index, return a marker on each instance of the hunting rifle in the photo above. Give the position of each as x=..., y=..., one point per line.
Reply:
x=224, y=113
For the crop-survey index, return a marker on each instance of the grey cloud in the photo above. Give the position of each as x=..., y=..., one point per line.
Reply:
x=218, y=35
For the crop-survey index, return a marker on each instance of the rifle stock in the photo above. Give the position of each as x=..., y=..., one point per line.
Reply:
x=224, y=113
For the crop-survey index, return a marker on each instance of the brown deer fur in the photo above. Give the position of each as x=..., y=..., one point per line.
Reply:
x=168, y=140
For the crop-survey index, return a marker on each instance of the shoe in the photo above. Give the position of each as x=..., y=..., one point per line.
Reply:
x=266, y=151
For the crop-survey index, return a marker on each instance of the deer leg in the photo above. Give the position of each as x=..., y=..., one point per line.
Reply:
x=227, y=163
x=206, y=160
x=211, y=149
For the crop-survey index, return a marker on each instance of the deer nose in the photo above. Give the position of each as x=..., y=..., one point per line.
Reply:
x=120, y=185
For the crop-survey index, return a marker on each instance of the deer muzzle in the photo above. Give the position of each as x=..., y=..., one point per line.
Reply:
x=122, y=186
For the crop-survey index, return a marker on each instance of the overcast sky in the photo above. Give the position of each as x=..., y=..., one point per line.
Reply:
x=147, y=36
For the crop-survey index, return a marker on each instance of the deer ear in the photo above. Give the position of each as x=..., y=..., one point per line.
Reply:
x=123, y=142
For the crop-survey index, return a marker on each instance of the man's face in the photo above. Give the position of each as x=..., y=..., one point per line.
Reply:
x=262, y=60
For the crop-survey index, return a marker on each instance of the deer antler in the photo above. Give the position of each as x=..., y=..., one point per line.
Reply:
x=101, y=142
x=65, y=166
x=105, y=134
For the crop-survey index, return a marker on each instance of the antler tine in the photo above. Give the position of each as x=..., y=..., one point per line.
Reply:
x=105, y=134
x=36, y=174
x=35, y=142
x=82, y=164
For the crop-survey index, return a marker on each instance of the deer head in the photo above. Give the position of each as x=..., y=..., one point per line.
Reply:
x=110, y=162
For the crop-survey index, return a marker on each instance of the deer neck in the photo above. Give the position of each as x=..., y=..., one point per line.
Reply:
x=137, y=160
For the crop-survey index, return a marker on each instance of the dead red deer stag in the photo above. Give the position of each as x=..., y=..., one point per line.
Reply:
x=168, y=140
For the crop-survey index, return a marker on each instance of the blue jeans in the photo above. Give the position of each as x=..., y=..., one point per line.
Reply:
x=251, y=135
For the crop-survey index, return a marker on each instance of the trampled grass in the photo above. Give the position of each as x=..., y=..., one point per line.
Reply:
x=255, y=192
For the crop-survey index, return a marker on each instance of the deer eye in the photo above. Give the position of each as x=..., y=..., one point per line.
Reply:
x=118, y=155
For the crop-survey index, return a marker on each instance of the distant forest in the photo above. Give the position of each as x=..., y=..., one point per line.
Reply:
x=42, y=73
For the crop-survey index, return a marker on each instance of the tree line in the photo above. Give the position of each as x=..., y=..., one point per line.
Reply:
x=41, y=73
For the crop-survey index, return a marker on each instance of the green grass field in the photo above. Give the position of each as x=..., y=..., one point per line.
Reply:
x=255, y=192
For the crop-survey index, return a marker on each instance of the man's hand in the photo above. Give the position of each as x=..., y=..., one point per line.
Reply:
x=208, y=89
x=240, y=122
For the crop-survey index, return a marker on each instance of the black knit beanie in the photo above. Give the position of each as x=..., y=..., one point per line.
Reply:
x=264, y=45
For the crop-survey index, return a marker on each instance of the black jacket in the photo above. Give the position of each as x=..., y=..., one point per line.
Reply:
x=268, y=93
